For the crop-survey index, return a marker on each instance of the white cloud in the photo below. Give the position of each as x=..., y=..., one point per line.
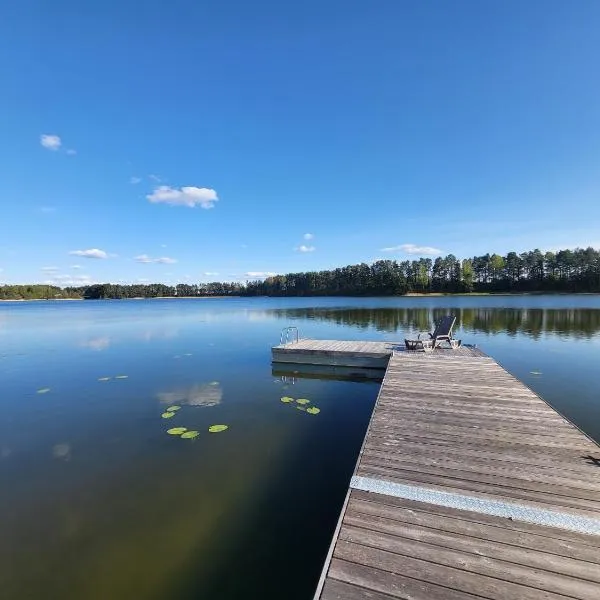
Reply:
x=75, y=266
x=155, y=178
x=49, y=269
x=71, y=152
x=51, y=142
x=259, y=274
x=91, y=253
x=304, y=248
x=135, y=180
x=163, y=245
x=309, y=236
x=210, y=273
x=413, y=249
x=186, y=196
x=142, y=280
x=163, y=260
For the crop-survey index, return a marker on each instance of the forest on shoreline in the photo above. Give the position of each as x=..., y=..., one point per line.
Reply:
x=566, y=271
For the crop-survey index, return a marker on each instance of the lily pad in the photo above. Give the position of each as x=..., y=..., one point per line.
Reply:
x=301, y=408
x=190, y=435
x=313, y=410
x=43, y=390
x=176, y=430
x=104, y=378
x=167, y=415
x=217, y=428
x=121, y=376
x=173, y=408
x=303, y=401
x=287, y=399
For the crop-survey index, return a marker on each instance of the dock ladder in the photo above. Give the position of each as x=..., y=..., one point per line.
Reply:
x=287, y=336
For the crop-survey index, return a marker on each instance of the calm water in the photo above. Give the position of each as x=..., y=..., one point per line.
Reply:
x=97, y=501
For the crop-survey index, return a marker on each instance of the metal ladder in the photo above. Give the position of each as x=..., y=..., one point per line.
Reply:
x=287, y=336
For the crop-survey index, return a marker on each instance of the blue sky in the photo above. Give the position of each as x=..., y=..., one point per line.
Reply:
x=201, y=141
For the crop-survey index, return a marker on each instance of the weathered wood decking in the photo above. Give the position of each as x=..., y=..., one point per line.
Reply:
x=468, y=486
x=335, y=353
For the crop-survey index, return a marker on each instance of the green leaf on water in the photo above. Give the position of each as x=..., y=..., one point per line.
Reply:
x=301, y=408
x=303, y=401
x=190, y=435
x=313, y=410
x=43, y=390
x=121, y=376
x=176, y=430
x=167, y=415
x=104, y=378
x=173, y=408
x=217, y=428
x=287, y=399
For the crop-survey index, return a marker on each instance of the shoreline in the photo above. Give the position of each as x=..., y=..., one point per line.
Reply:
x=40, y=299
x=409, y=295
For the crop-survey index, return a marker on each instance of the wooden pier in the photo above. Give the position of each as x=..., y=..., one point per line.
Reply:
x=468, y=486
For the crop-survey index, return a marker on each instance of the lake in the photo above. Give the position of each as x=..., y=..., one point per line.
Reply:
x=98, y=501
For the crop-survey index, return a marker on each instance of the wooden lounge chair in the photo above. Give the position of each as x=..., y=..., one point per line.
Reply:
x=441, y=333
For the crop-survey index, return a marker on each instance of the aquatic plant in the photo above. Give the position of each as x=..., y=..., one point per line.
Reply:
x=217, y=428
x=176, y=430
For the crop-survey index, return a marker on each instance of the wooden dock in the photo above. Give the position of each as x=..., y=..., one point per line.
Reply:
x=468, y=486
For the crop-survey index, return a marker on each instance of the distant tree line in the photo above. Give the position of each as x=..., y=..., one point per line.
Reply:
x=159, y=290
x=534, y=271
x=37, y=292
x=565, y=271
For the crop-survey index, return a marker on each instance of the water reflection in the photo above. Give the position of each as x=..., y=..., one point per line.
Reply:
x=534, y=322
x=200, y=394
x=62, y=451
x=97, y=343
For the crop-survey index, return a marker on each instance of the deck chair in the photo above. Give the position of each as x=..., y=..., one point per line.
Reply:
x=443, y=333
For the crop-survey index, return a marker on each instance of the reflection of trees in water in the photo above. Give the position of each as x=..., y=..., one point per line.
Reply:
x=200, y=394
x=529, y=321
